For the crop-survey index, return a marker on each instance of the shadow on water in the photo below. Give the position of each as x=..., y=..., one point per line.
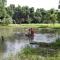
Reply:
x=2, y=44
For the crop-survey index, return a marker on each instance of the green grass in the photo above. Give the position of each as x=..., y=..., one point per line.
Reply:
x=56, y=44
x=32, y=25
x=28, y=54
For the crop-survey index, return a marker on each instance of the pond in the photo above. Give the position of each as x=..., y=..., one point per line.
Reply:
x=15, y=39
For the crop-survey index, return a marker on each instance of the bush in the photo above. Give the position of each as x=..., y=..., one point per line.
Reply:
x=7, y=21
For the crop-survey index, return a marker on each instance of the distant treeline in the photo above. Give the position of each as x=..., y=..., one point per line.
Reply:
x=17, y=15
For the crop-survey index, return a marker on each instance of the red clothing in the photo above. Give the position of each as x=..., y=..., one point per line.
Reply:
x=32, y=33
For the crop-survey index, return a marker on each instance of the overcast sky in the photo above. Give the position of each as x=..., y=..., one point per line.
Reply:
x=46, y=4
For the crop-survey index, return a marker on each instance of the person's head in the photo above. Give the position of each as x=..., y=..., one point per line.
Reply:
x=30, y=29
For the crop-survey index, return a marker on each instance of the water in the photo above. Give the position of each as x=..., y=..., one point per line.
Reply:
x=47, y=38
x=15, y=40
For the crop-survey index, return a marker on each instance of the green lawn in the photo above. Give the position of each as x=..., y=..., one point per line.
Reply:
x=35, y=25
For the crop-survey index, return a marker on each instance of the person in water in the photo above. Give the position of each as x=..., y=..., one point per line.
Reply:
x=30, y=34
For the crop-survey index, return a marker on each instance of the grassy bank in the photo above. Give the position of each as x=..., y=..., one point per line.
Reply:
x=29, y=53
x=36, y=54
x=33, y=25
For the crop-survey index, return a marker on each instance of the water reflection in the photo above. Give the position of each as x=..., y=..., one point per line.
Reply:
x=2, y=47
x=47, y=38
x=2, y=44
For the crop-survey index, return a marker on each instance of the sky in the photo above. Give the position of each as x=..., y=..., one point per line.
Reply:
x=46, y=4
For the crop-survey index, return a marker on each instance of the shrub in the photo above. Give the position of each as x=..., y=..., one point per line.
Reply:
x=7, y=21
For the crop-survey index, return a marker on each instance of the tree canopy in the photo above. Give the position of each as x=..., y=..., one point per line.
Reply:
x=25, y=14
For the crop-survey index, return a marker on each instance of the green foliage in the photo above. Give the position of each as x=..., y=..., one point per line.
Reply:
x=57, y=43
x=37, y=54
x=53, y=15
x=58, y=17
x=25, y=14
x=7, y=21
x=10, y=10
x=29, y=20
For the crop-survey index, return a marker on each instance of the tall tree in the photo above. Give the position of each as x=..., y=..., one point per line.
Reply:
x=32, y=12
x=17, y=14
x=10, y=9
x=58, y=17
x=53, y=15
x=37, y=17
x=43, y=14
x=2, y=9
x=25, y=13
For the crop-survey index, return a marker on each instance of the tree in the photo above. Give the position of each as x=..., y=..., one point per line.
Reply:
x=43, y=14
x=36, y=20
x=7, y=21
x=11, y=9
x=37, y=16
x=2, y=9
x=25, y=13
x=58, y=16
x=38, y=13
x=17, y=14
x=28, y=15
x=53, y=15
x=3, y=12
x=32, y=12
x=4, y=17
